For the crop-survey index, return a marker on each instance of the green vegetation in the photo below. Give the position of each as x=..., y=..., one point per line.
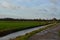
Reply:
x=7, y=27
x=25, y=37
x=18, y=24
x=59, y=33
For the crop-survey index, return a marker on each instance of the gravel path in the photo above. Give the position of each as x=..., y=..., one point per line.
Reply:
x=49, y=34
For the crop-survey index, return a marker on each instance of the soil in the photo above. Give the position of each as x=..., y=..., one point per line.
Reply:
x=49, y=34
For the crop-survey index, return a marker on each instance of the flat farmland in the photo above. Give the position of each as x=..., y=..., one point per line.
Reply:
x=7, y=27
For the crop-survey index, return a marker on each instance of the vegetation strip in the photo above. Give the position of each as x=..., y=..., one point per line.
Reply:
x=26, y=36
x=59, y=33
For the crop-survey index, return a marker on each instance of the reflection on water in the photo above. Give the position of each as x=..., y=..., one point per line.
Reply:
x=19, y=33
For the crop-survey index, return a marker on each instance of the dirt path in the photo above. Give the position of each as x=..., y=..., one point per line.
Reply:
x=49, y=34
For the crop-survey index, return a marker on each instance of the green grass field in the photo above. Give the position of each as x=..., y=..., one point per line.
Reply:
x=19, y=24
x=11, y=26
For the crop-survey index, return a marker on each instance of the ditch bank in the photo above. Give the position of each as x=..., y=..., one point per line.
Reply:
x=9, y=31
x=20, y=33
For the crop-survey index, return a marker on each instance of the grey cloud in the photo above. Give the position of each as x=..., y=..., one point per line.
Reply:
x=5, y=4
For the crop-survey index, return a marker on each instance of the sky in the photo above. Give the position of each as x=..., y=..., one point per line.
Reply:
x=30, y=9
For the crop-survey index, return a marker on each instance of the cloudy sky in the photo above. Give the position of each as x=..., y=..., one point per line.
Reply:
x=30, y=9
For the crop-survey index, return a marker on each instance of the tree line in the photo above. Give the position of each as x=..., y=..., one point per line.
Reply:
x=12, y=19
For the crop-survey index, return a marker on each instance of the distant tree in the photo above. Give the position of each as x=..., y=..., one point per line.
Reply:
x=54, y=19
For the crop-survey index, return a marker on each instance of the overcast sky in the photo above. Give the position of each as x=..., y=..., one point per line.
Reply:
x=30, y=9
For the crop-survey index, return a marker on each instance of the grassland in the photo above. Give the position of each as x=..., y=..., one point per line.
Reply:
x=7, y=27
x=59, y=33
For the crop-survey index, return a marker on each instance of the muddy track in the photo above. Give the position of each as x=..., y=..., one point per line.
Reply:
x=49, y=34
